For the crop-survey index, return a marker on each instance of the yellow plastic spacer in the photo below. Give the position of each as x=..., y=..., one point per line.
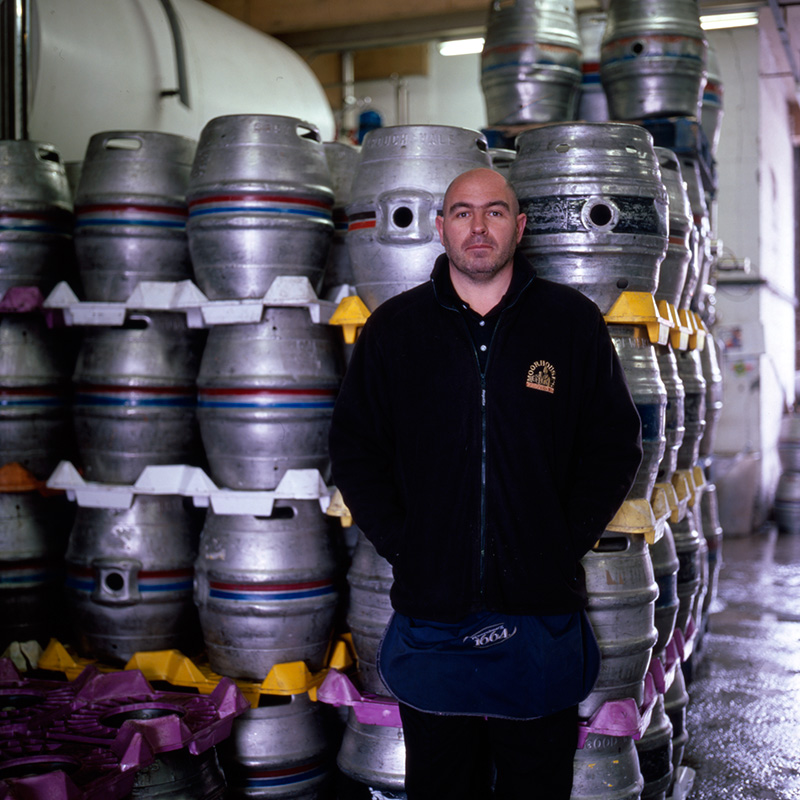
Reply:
x=350, y=314
x=697, y=340
x=684, y=488
x=173, y=667
x=700, y=482
x=337, y=508
x=671, y=496
x=639, y=308
x=343, y=655
x=678, y=335
x=56, y=658
x=661, y=511
x=291, y=677
x=635, y=517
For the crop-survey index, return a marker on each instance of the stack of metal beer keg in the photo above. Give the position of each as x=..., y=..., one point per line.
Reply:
x=35, y=370
x=249, y=214
x=619, y=192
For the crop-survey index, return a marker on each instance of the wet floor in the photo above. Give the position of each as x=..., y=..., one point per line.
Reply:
x=744, y=710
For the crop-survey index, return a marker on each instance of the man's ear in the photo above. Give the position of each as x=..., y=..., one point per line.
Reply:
x=440, y=227
x=521, y=222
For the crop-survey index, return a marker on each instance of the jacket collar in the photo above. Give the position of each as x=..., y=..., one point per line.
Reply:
x=521, y=278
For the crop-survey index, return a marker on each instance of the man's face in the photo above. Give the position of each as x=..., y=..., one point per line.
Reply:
x=480, y=226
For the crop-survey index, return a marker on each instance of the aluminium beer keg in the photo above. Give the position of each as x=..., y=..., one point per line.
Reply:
x=130, y=212
x=712, y=531
x=135, y=396
x=700, y=266
x=653, y=58
x=265, y=398
x=622, y=593
x=675, y=266
x=666, y=564
x=592, y=103
x=35, y=216
x=676, y=703
x=596, y=207
x=607, y=767
x=374, y=756
x=687, y=547
x=712, y=103
x=260, y=204
x=35, y=369
x=690, y=370
x=282, y=749
x=397, y=192
x=655, y=754
x=675, y=412
x=369, y=610
x=181, y=775
x=33, y=537
x=265, y=589
x=643, y=375
x=789, y=442
x=530, y=64
x=712, y=374
x=342, y=160
x=787, y=502
x=129, y=578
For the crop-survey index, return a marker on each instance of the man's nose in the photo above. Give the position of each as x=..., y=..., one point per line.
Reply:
x=478, y=222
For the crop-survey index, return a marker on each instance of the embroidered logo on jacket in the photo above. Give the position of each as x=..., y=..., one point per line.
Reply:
x=541, y=376
x=488, y=637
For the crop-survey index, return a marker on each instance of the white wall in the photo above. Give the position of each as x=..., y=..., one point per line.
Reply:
x=450, y=95
x=755, y=222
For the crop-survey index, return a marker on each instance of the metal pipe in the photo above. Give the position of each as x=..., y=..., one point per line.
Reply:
x=349, y=121
x=15, y=24
x=180, y=56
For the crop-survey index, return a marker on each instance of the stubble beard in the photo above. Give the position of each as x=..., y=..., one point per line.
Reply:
x=479, y=269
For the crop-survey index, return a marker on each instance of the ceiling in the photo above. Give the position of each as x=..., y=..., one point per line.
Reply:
x=313, y=27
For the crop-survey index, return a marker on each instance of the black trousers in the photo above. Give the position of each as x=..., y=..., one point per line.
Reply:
x=464, y=757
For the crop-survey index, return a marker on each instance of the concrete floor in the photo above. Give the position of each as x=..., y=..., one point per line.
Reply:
x=744, y=696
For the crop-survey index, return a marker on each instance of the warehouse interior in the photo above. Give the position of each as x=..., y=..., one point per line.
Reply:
x=344, y=68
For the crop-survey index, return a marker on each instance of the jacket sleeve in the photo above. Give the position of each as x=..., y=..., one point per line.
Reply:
x=608, y=449
x=362, y=447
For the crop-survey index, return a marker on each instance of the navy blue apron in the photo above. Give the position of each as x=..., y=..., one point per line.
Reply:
x=490, y=664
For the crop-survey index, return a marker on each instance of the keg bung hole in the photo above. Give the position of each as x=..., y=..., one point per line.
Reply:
x=637, y=48
x=122, y=143
x=402, y=217
x=562, y=148
x=601, y=215
x=114, y=581
x=622, y=283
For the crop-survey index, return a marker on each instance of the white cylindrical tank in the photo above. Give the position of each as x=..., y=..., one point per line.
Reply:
x=111, y=65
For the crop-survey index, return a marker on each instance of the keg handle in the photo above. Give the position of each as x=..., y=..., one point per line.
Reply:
x=312, y=132
x=122, y=142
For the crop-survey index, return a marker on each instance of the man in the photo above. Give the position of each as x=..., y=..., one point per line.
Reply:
x=483, y=438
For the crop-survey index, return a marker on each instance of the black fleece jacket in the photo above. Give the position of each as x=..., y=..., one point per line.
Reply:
x=484, y=491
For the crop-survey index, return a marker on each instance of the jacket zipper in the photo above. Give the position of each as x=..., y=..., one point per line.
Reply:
x=482, y=373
